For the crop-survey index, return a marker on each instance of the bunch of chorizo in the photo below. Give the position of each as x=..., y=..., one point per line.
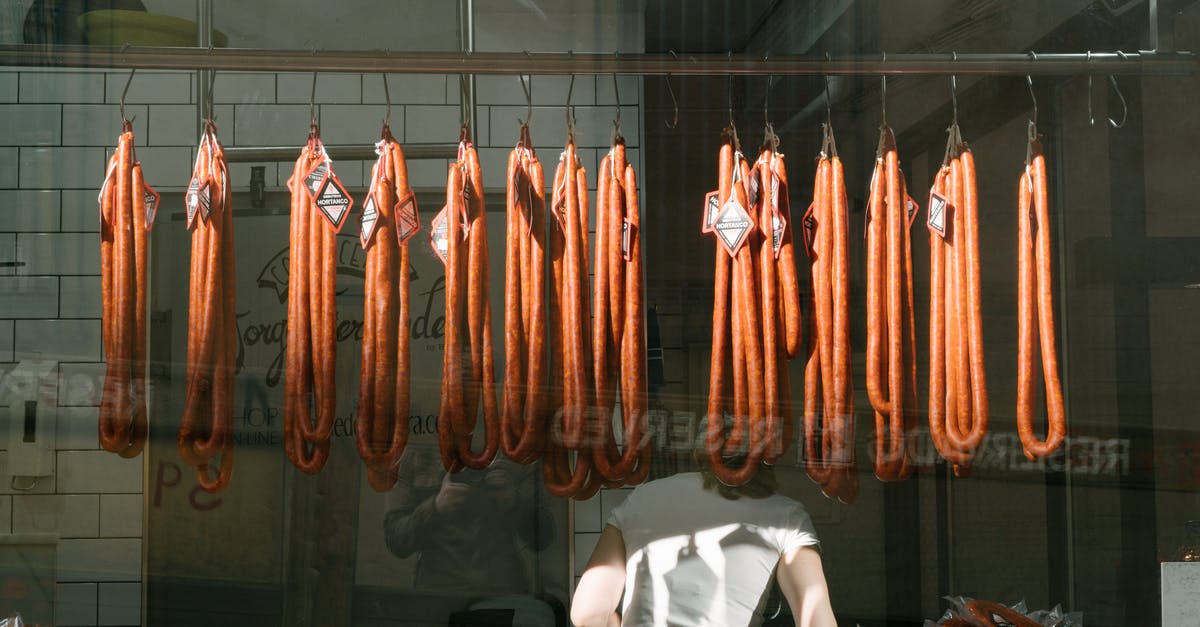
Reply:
x=958, y=402
x=389, y=221
x=1035, y=300
x=737, y=341
x=206, y=430
x=310, y=399
x=782, y=331
x=828, y=381
x=891, y=375
x=619, y=324
x=124, y=239
x=459, y=237
x=571, y=352
x=524, y=403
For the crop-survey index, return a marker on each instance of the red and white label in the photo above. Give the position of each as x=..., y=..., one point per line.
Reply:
x=939, y=214
x=191, y=201
x=809, y=224
x=407, y=220
x=333, y=201
x=370, y=219
x=439, y=235
x=151, y=199
x=712, y=206
x=628, y=232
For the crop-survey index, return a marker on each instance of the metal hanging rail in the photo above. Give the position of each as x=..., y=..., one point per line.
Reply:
x=230, y=59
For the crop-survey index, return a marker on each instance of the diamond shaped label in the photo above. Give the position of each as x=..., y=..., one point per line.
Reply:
x=939, y=214
x=334, y=201
x=150, y=198
x=628, y=232
x=809, y=224
x=370, y=219
x=712, y=206
x=912, y=208
x=439, y=235
x=204, y=198
x=407, y=220
x=778, y=226
x=191, y=200
x=316, y=176
x=733, y=225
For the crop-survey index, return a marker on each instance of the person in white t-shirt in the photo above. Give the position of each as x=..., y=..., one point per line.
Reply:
x=687, y=550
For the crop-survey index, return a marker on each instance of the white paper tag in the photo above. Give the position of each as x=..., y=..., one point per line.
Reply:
x=334, y=201
x=370, y=218
x=192, y=201
x=939, y=214
x=778, y=226
x=316, y=176
x=407, y=220
x=712, y=206
x=627, y=235
x=151, y=199
x=439, y=235
x=733, y=225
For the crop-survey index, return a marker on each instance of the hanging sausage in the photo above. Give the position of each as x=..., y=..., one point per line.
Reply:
x=459, y=238
x=389, y=221
x=828, y=382
x=320, y=205
x=1035, y=300
x=780, y=291
x=737, y=342
x=958, y=404
x=891, y=343
x=618, y=319
x=524, y=404
x=206, y=430
x=127, y=208
x=571, y=363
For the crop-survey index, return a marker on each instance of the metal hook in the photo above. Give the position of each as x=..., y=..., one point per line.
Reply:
x=1091, y=117
x=466, y=97
x=954, y=90
x=1124, y=106
x=312, y=100
x=528, y=89
x=125, y=91
x=387, y=98
x=617, y=101
x=212, y=81
x=674, y=103
x=1033, y=97
x=883, y=92
x=570, y=113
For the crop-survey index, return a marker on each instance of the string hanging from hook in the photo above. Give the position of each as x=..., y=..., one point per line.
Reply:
x=1033, y=133
x=616, y=132
x=465, y=108
x=732, y=129
x=953, y=133
x=312, y=107
x=212, y=81
x=770, y=139
x=883, y=95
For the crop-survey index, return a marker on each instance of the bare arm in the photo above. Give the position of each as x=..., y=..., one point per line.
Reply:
x=803, y=583
x=600, y=588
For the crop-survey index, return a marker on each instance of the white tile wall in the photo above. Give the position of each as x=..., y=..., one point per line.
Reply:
x=587, y=514
x=149, y=87
x=6, y=340
x=8, y=173
x=331, y=88
x=61, y=168
x=79, y=384
x=80, y=212
x=61, y=87
x=75, y=604
x=5, y=514
x=95, y=472
x=31, y=124
x=8, y=87
x=165, y=168
x=357, y=124
x=585, y=543
x=58, y=253
x=62, y=340
x=120, y=603
x=79, y=297
x=44, y=485
x=8, y=252
x=408, y=89
x=271, y=125
x=99, y=559
x=425, y=124
x=100, y=125
x=244, y=87
x=29, y=209
x=77, y=428
x=174, y=125
x=29, y=297
x=121, y=515
x=71, y=515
